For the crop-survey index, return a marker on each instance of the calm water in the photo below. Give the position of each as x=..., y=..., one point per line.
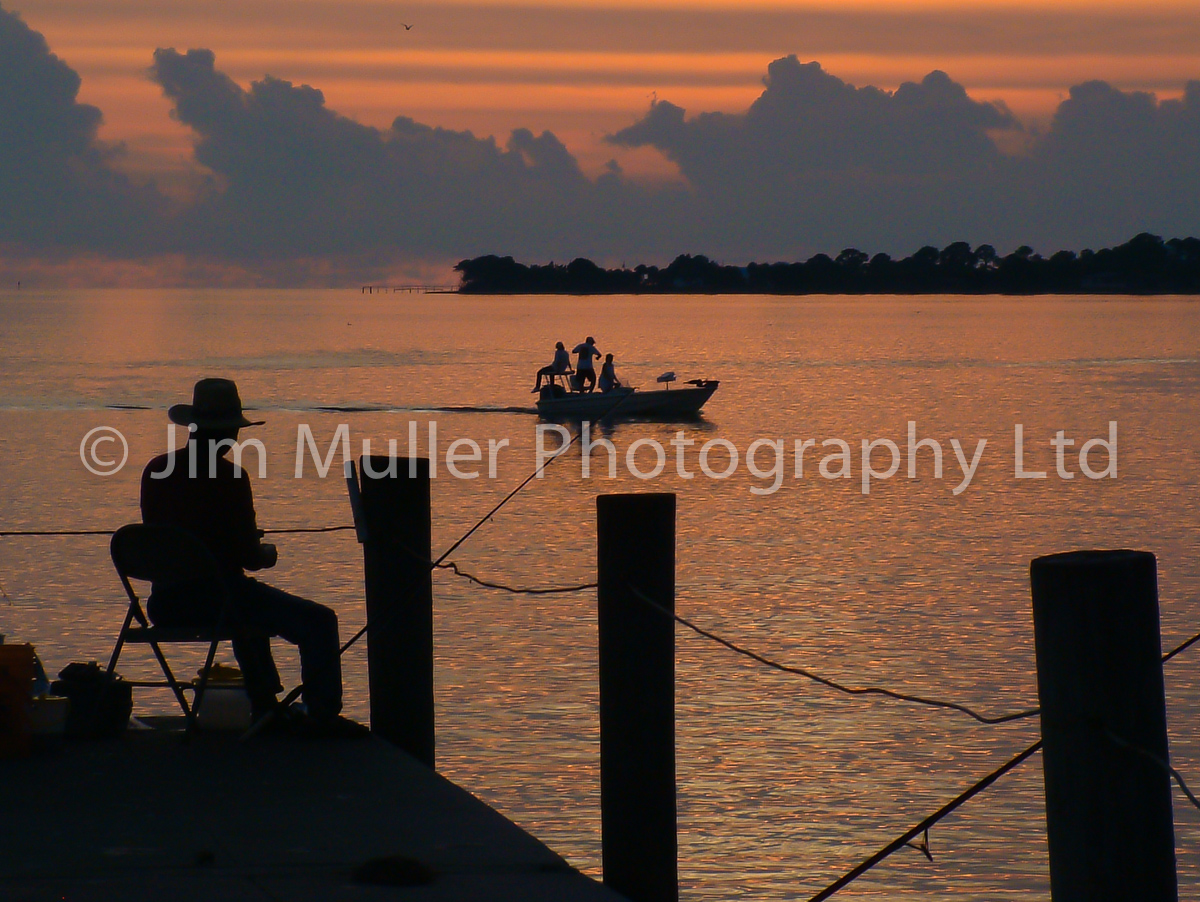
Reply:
x=782, y=785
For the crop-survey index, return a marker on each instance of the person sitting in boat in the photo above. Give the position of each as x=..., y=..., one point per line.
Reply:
x=560, y=367
x=585, y=369
x=608, y=375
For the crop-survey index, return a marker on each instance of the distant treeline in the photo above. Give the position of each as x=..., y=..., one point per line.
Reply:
x=1144, y=265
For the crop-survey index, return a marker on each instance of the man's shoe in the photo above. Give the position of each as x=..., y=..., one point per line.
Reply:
x=278, y=719
x=328, y=728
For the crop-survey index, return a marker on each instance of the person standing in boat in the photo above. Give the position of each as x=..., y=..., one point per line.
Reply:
x=560, y=367
x=585, y=369
x=608, y=375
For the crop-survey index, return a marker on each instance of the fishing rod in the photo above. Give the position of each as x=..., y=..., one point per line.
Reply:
x=433, y=565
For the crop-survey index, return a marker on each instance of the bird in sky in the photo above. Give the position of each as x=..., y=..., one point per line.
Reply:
x=407, y=27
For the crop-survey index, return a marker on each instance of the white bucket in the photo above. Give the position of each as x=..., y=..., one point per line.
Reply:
x=224, y=706
x=48, y=715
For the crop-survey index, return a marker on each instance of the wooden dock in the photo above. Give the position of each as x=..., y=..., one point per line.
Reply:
x=149, y=816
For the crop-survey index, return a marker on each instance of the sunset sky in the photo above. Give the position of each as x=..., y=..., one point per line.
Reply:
x=586, y=70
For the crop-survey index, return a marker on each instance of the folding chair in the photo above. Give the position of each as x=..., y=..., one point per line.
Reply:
x=168, y=556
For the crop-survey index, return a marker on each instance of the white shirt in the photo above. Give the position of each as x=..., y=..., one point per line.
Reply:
x=586, y=352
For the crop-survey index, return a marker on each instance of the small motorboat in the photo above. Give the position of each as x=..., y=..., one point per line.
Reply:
x=560, y=399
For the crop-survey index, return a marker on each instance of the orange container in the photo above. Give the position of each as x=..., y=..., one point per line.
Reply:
x=16, y=681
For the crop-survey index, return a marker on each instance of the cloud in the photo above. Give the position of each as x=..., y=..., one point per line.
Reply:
x=1114, y=163
x=59, y=190
x=815, y=160
x=817, y=163
x=809, y=121
x=300, y=193
x=295, y=178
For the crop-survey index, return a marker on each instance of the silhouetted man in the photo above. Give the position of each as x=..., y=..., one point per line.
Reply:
x=197, y=489
x=585, y=369
x=560, y=367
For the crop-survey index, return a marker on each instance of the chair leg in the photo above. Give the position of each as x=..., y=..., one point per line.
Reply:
x=112, y=666
x=189, y=713
x=116, y=653
x=203, y=684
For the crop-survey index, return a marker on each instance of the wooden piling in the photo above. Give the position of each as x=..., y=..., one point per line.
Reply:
x=1100, y=681
x=399, y=589
x=636, y=550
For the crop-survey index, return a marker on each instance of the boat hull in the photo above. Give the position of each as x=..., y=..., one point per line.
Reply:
x=684, y=401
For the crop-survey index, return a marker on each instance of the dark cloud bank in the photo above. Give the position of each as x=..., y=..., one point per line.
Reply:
x=300, y=193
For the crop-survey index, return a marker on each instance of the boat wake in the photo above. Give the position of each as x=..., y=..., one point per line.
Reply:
x=420, y=408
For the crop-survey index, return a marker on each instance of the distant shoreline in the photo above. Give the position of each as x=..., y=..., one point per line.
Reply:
x=1145, y=265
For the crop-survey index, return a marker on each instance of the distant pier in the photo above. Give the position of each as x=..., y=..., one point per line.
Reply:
x=408, y=289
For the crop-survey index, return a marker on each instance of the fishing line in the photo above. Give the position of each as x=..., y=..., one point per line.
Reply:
x=486, y=517
x=433, y=565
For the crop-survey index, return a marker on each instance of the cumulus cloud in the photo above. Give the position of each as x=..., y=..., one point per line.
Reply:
x=295, y=178
x=809, y=121
x=1114, y=163
x=59, y=191
x=818, y=163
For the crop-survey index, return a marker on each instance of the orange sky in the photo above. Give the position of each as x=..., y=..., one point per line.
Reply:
x=582, y=69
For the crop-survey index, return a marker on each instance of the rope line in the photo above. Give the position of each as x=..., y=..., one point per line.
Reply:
x=1146, y=753
x=453, y=567
x=302, y=529
x=482, y=520
x=833, y=684
x=57, y=532
x=924, y=826
x=109, y=532
x=16, y=533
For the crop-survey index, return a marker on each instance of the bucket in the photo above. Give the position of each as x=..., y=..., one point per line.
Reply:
x=48, y=716
x=225, y=705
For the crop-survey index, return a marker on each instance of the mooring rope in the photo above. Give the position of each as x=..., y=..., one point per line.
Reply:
x=57, y=532
x=924, y=826
x=109, y=532
x=833, y=684
x=454, y=568
x=1156, y=759
x=433, y=565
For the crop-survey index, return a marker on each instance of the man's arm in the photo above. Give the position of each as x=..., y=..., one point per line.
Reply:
x=253, y=552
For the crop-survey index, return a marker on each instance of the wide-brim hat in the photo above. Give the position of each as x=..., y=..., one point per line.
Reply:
x=215, y=405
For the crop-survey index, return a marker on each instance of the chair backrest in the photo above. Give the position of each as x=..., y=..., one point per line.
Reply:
x=163, y=555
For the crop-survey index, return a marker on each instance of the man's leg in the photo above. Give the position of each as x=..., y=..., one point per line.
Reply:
x=191, y=606
x=253, y=653
x=312, y=627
